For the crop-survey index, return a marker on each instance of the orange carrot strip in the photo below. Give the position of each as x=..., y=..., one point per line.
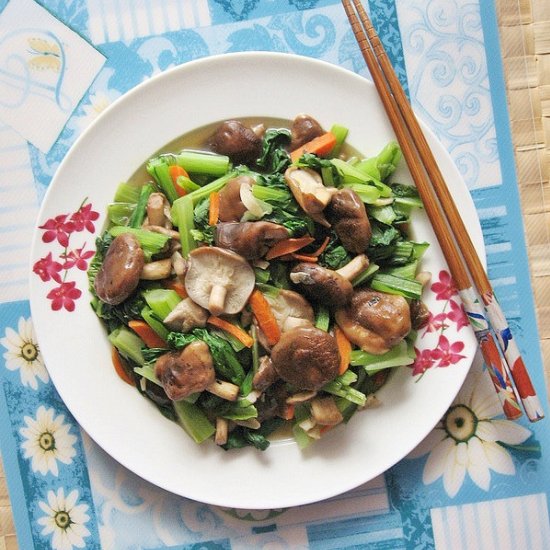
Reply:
x=214, y=212
x=177, y=286
x=266, y=320
x=120, y=368
x=147, y=334
x=304, y=258
x=232, y=329
x=287, y=412
x=321, y=249
x=288, y=246
x=321, y=145
x=175, y=172
x=344, y=348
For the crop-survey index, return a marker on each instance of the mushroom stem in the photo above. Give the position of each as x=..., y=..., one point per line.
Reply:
x=354, y=268
x=225, y=390
x=216, y=301
x=222, y=429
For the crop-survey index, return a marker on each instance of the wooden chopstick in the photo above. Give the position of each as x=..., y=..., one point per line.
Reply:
x=423, y=167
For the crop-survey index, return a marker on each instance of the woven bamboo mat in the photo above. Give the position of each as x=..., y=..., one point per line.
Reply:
x=525, y=41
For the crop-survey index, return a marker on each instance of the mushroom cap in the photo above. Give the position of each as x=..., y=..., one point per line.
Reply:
x=304, y=128
x=231, y=206
x=119, y=273
x=251, y=240
x=184, y=372
x=375, y=321
x=213, y=270
x=321, y=284
x=348, y=216
x=306, y=358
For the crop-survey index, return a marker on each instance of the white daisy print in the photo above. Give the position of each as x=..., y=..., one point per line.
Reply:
x=469, y=439
x=64, y=520
x=24, y=354
x=47, y=441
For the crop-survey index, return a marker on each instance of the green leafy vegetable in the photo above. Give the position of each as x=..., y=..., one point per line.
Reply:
x=274, y=157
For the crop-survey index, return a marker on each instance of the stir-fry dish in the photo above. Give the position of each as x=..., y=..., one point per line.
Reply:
x=261, y=283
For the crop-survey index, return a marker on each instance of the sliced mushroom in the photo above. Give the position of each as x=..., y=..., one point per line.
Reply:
x=291, y=310
x=184, y=372
x=186, y=316
x=348, y=216
x=231, y=206
x=119, y=273
x=306, y=357
x=304, y=128
x=251, y=240
x=310, y=193
x=240, y=143
x=219, y=280
x=375, y=321
x=321, y=284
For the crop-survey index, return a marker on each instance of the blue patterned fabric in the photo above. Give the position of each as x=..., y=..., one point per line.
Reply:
x=494, y=492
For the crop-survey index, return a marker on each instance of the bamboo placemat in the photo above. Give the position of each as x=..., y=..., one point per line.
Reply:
x=525, y=40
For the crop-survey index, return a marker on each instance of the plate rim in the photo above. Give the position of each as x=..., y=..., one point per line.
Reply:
x=74, y=149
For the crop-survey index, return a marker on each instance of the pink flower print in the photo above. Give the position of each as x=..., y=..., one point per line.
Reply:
x=458, y=315
x=423, y=361
x=64, y=296
x=436, y=322
x=58, y=228
x=47, y=268
x=445, y=288
x=77, y=258
x=84, y=218
x=447, y=353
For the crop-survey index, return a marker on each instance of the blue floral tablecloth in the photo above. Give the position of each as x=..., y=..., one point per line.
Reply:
x=477, y=481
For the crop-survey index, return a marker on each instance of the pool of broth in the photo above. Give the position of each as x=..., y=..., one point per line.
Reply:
x=198, y=138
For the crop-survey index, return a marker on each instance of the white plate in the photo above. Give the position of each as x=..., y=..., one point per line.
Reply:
x=75, y=346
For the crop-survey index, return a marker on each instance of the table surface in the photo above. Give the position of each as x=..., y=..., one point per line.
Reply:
x=525, y=41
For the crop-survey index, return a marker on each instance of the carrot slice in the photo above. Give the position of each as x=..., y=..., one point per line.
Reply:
x=304, y=258
x=177, y=286
x=288, y=246
x=147, y=334
x=321, y=145
x=287, y=412
x=344, y=348
x=320, y=250
x=214, y=212
x=232, y=329
x=175, y=172
x=120, y=367
x=266, y=320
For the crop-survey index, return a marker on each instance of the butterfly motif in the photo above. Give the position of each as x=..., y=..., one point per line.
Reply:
x=46, y=56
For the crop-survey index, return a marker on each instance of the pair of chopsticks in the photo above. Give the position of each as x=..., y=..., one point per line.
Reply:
x=464, y=264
